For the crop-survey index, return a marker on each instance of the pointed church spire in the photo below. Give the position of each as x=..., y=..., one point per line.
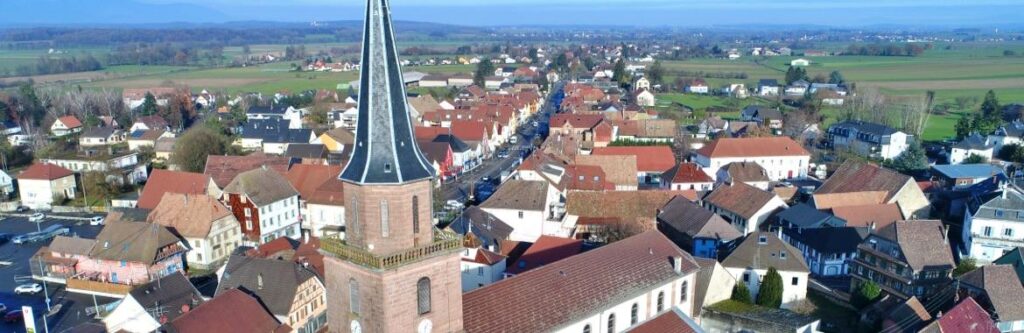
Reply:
x=385, y=150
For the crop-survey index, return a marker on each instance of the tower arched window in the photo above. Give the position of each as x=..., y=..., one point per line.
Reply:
x=423, y=295
x=661, y=300
x=385, y=228
x=415, y=214
x=353, y=295
x=352, y=225
x=634, y=314
x=683, y=291
x=611, y=323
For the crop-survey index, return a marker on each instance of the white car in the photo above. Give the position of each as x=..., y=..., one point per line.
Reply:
x=96, y=220
x=37, y=217
x=30, y=288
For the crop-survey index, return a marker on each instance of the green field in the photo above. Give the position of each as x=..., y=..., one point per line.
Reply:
x=965, y=69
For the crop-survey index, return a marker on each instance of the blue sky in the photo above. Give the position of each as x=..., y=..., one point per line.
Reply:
x=847, y=13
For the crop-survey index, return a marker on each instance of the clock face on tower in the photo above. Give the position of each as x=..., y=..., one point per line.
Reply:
x=356, y=328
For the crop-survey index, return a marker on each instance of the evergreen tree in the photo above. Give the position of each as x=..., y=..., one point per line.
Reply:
x=483, y=69
x=794, y=74
x=911, y=160
x=149, y=106
x=963, y=127
x=865, y=294
x=836, y=78
x=770, y=293
x=965, y=265
x=619, y=73
x=741, y=294
x=656, y=73
x=990, y=106
x=4, y=112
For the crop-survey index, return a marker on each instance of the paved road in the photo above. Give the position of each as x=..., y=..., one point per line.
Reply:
x=72, y=305
x=459, y=189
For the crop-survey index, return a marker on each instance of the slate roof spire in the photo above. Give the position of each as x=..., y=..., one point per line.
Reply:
x=385, y=151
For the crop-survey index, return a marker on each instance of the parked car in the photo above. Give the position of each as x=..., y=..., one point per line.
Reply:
x=13, y=316
x=21, y=209
x=22, y=239
x=28, y=288
x=37, y=217
x=96, y=220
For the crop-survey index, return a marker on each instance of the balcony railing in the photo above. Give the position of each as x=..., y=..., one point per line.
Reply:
x=76, y=283
x=444, y=242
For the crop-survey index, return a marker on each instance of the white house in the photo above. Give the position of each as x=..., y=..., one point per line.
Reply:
x=265, y=204
x=869, y=139
x=291, y=114
x=101, y=136
x=644, y=97
x=527, y=206
x=799, y=62
x=138, y=311
x=974, y=144
x=667, y=285
x=208, y=227
x=42, y=182
x=132, y=172
x=66, y=125
x=994, y=225
x=698, y=86
x=744, y=206
x=1007, y=134
x=481, y=267
x=749, y=262
x=642, y=84
x=781, y=157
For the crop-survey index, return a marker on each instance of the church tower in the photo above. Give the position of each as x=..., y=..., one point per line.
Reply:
x=393, y=272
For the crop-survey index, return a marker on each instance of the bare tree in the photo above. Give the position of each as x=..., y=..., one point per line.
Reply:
x=618, y=231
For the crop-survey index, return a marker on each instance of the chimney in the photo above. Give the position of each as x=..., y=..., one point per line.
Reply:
x=305, y=238
x=872, y=225
x=778, y=232
x=945, y=234
x=677, y=264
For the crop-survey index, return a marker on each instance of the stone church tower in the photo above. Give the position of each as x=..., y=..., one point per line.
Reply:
x=394, y=272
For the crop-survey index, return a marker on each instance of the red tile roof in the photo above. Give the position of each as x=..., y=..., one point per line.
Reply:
x=648, y=158
x=629, y=206
x=223, y=169
x=469, y=130
x=546, y=250
x=864, y=215
x=44, y=171
x=686, y=173
x=674, y=321
x=307, y=178
x=586, y=121
x=739, y=198
x=585, y=178
x=485, y=257
x=753, y=147
x=966, y=317
x=164, y=181
x=230, y=312
x=564, y=292
x=429, y=133
x=70, y=121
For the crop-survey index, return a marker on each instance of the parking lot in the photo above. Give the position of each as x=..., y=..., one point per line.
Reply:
x=14, y=270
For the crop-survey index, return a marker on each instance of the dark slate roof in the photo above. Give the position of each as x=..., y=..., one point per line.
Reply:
x=1014, y=129
x=973, y=142
x=268, y=110
x=768, y=82
x=1005, y=293
x=386, y=151
x=866, y=127
x=805, y=216
x=1001, y=204
x=274, y=282
x=306, y=150
x=920, y=242
x=829, y=240
x=457, y=144
x=691, y=219
x=275, y=131
x=171, y=293
x=750, y=253
x=761, y=112
x=487, y=228
x=99, y=132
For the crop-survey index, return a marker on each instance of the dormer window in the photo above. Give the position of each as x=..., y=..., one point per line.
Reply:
x=762, y=239
x=782, y=254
